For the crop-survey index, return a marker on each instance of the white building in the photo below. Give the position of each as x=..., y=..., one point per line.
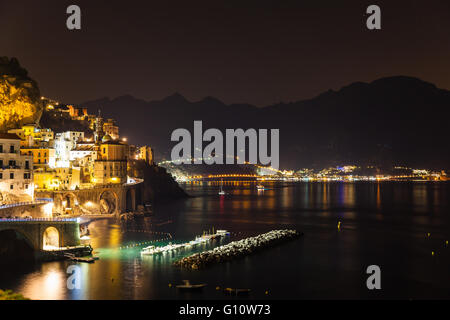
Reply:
x=64, y=143
x=16, y=171
x=83, y=150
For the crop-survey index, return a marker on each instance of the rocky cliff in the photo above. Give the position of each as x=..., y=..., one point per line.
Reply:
x=20, y=99
x=159, y=186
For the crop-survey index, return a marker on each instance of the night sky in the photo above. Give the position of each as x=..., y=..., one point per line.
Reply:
x=258, y=52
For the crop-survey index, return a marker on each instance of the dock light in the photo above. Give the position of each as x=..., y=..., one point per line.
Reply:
x=48, y=209
x=89, y=204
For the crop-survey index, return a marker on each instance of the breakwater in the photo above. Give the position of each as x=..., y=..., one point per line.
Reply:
x=236, y=249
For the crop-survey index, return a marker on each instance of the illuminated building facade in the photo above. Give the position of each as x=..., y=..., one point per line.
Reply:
x=111, y=164
x=30, y=135
x=146, y=154
x=16, y=171
x=64, y=143
x=41, y=156
x=110, y=128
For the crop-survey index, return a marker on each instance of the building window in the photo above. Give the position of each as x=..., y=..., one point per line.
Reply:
x=1, y=175
x=11, y=175
x=11, y=187
x=11, y=149
x=1, y=148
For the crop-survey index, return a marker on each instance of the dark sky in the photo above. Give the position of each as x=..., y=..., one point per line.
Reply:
x=259, y=52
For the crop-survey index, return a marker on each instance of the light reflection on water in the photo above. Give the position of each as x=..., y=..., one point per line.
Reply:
x=382, y=223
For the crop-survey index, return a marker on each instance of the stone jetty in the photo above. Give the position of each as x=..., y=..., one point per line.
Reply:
x=236, y=249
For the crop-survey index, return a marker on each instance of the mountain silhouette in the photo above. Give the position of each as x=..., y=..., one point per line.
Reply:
x=390, y=121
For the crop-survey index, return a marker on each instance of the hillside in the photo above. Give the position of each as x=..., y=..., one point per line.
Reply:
x=20, y=99
x=396, y=120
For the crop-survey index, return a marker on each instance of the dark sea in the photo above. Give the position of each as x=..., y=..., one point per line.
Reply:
x=402, y=227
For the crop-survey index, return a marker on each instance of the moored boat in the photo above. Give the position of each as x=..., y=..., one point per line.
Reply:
x=188, y=286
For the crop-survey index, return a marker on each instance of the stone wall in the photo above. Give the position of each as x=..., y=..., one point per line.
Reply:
x=35, y=211
x=114, y=199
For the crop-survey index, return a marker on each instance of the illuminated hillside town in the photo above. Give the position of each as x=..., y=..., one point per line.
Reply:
x=38, y=162
x=224, y=158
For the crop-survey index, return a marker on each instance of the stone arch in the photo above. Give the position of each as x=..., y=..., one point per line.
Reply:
x=109, y=202
x=51, y=238
x=70, y=200
x=58, y=200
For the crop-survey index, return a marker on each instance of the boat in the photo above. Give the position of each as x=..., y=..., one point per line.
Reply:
x=222, y=192
x=260, y=187
x=85, y=260
x=156, y=250
x=236, y=292
x=223, y=233
x=188, y=286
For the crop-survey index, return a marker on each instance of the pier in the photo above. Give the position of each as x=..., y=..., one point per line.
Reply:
x=236, y=249
x=151, y=250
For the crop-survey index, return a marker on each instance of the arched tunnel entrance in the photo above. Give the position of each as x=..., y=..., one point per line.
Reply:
x=15, y=249
x=51, y=239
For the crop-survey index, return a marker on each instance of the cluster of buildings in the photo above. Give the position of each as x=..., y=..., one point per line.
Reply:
x=356, y=173
x=38, y=159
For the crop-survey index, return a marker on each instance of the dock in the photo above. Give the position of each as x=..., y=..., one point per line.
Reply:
x=205, y=238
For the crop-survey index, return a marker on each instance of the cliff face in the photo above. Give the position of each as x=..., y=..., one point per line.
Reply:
x=159, y=186
x=20, y=99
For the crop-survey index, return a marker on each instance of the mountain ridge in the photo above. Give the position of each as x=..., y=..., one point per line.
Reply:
x=392, y=120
